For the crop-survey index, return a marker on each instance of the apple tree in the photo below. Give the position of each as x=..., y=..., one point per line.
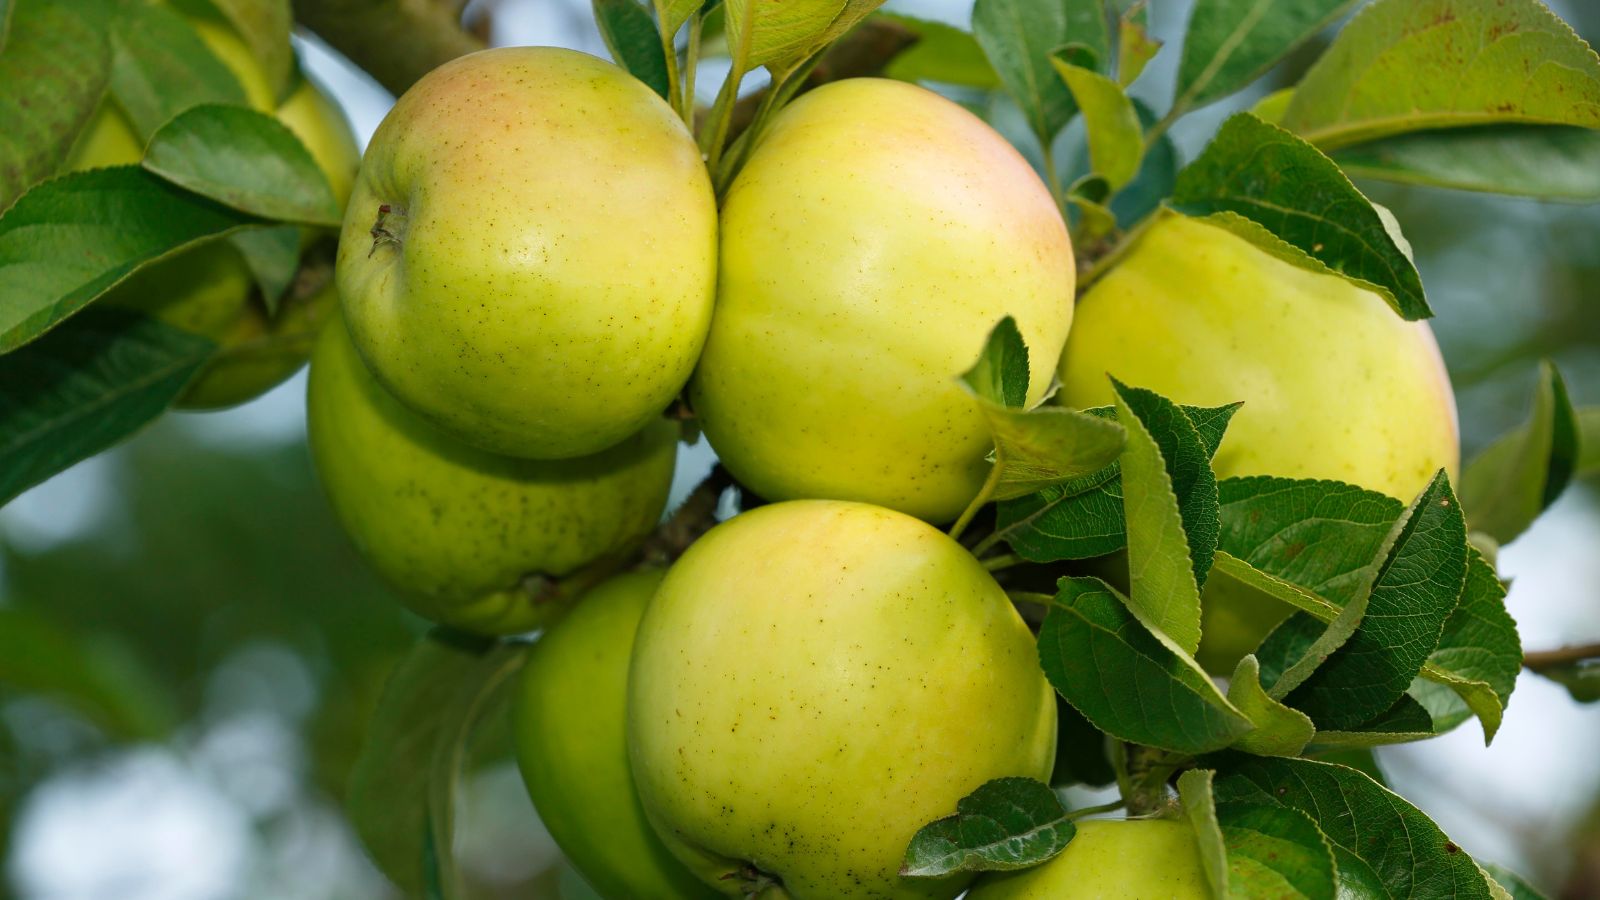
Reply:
x=1045, y=458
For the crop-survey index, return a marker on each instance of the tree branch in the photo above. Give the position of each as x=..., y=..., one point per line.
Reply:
x=395, y=41
x=1540, y=660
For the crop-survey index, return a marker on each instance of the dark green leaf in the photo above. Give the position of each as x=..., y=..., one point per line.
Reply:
x=1404, y=852
x=1406, y=721
x=86, y=386
x=68, y=240
x=1479, y=654
x=1415, y=593
x=55, y=68
x=1550, y=162
x=1081, y=756
x=161, y=67
x=1464, y=62
x=273, y=255
x=244, y=159
x=265, y=26
x=1083, y=518
x=1020, y=37
x=1001, y=373
x=94, y=675
x=1580, y=677
x=1505, y=487
x=943, y=54
x=1097, y=655
x=402, y=785
x=1231, y=43
x=1276, y=851
x=1281, y=193
x=630, y=34
x=1004, y=825
x=1158, y=172
x=1589, y=440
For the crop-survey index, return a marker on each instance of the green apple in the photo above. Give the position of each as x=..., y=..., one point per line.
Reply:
x=1335, y=385
x=569, y=720
x=875, y=236
x=470, y=538
x=816, y=680
x=529, y=254
x=1132, y=859
x=209, y=290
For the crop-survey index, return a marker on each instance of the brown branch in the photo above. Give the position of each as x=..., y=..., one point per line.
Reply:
x=395, y=41
x=693, y=518
x=1540, y=660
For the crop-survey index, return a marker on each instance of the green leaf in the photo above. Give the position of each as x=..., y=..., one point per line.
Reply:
x=1080, y=750
x=1409, y=65
x=1589, y=440
x=1515, y=886
x=1271, y=107
x=86, y=386
x=1276, y=851
x=630, y=34
x=265, y=26
x=1097, y=655
x=403, y=782
x=1158, y=172
x=671, y=14
x=1281, y=193
x=1041, y=447
x=1116, y=142
x=244, y=159
x=1279, y=731
x=1404, y=722
x=1170, y=504
x=1580, y=677
x=1004, y=825
x=1001, y=373
x=1414, y=595
x=6, y=6
x=1135, y=46
x=66, y=241
x=273, y=255
x=851, y=15
x=1083, y=518
x=1518, y=476
x=1299, y=644
x=1021, y=36
x=53, y=72
x=1231, y=43
x=1200, y=808
x=95, y=675
x=943, y=54
x=1550, y=162
x=1480, y=653
x=1390, y=841
x=778, y=33
x=161, y=67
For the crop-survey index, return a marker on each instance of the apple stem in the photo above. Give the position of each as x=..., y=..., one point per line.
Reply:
x=389, y=228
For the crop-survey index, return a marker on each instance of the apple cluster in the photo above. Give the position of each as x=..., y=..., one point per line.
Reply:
x=534, y=269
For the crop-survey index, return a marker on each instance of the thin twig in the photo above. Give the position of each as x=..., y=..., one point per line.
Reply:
x=693, y=518
x=1540, y=660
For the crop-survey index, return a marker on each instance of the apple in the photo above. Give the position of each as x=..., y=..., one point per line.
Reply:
x=1335, y=385
x=209, y=289
x=813, y=682
x=568, y=719
x=469, y=538
x=529, y=254
x=1130, y=858
x=875, y=236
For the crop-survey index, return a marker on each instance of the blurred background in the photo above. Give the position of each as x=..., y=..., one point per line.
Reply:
x=216, y=648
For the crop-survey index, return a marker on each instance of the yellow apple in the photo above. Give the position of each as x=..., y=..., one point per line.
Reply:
x=529, y=254
x=209, y=289
x=1133, y=859
x=1335, y=385
x=875, y=236
x=569, y=721
x=470, y=538
x=816, y=680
